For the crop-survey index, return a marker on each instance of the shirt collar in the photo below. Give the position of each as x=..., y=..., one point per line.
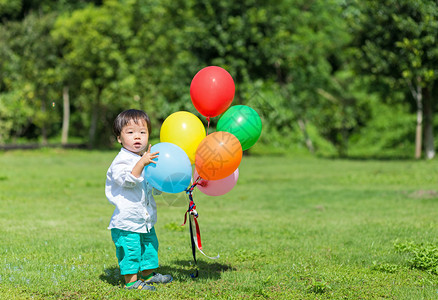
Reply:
x=124, y=150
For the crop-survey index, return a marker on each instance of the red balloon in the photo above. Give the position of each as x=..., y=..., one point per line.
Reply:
x=212, y=91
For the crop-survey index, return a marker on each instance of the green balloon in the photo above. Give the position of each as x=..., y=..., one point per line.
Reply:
x=243, y=122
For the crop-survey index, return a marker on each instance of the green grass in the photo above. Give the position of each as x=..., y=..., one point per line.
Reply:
x=292, y=228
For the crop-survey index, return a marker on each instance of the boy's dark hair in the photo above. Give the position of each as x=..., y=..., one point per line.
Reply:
x=126, y=116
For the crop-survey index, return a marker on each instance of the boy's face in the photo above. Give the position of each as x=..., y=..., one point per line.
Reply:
x=134, y=137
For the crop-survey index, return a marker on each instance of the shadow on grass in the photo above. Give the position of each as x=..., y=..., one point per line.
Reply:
x=112, y=276
x=183, y=271
x=206, y=269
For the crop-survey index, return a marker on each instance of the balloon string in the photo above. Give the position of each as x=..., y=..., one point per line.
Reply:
x=195, y=233
x=192, y=206
x=208, y=124
x=192, y=187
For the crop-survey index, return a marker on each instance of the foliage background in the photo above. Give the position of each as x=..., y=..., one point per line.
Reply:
x=331, y=77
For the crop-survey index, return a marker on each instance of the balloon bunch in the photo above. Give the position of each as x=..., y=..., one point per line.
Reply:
x=219, y=154
x=216, y=156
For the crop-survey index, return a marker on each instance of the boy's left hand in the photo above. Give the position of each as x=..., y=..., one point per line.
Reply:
x=149, y=157
x=145, y=160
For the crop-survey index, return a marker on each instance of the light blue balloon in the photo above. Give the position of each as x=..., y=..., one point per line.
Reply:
x=172, y=172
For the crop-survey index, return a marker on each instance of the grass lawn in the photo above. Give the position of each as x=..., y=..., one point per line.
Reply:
x=292, y=228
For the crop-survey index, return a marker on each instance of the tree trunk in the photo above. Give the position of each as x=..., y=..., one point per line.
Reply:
x=44, y=123
x=307, y=139
x=94, y=118
x=419, y=133
x=65, y=115
x=418, y=96
x=343, y=149
x=429, y=147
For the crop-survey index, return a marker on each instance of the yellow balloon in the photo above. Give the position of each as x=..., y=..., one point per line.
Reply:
x=185, y=130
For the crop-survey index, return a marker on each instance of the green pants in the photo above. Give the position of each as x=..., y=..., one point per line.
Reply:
x=135, y=251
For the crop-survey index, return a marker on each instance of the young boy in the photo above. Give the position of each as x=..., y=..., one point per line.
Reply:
x=132, y=223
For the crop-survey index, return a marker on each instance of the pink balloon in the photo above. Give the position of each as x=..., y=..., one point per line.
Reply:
x=217, y=187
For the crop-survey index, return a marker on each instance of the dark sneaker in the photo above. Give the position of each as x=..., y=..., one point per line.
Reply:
x=141, y=285
x=159, y=278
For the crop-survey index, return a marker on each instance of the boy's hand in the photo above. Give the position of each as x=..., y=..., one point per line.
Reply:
x=148, y=157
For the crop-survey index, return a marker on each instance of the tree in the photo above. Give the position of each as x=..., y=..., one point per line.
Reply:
x=286, y=42
x=396, y=46
x=32, y=70
x=304, y=38
x=160, y=58
x=94, y=41
x=29, y=60
x=344, y=111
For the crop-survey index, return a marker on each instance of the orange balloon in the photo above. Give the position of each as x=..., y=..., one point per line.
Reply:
x=218, y=155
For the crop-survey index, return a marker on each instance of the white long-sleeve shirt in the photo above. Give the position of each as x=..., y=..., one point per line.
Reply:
x=136, y=209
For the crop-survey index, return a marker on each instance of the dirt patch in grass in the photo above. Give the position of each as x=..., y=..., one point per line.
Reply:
x=423, y=194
